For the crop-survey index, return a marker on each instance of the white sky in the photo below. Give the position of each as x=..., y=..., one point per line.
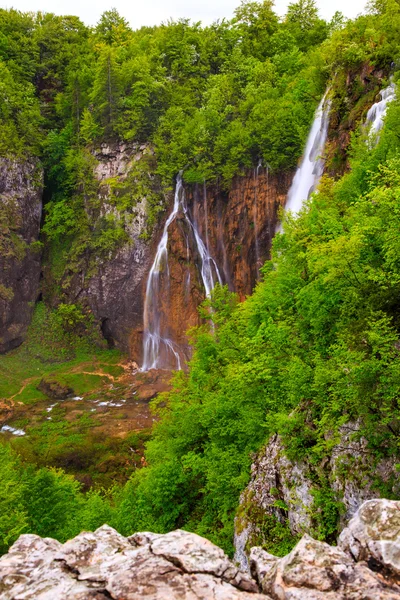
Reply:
x=153, y=12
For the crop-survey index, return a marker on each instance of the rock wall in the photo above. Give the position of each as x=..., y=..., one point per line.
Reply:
x=352, y=94
x=113, y=287
x=238, y=226
x=21, y=186
x=283, y=488
x=241, y=223
x=183, y=566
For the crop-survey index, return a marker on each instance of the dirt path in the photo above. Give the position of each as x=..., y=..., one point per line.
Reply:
x=74, y=370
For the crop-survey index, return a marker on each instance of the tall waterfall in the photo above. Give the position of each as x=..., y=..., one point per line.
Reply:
x=377, y=112
x=159, y=351
x=312, y=166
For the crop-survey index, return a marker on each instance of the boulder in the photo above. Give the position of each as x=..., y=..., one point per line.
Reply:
x=104, y=564
x=54, y=389
x=373, y=536
x=184, y=566
x=316, y=571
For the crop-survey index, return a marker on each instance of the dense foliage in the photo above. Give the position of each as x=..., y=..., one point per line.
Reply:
x=316, y=346
x=317, y=343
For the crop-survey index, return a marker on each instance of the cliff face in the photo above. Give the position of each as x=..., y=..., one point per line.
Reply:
x=183, y=566
x=21, y=185
x=241, y=223
x=112, y=285
x=284, y=488
x=236, y=226
x=352, y=94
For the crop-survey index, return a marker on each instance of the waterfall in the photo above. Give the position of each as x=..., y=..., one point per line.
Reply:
x=158, y=348
x=377, y=113
x=312, y=166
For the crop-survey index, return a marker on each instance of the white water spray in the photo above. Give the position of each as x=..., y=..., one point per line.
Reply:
x=158, y=348
x=377, y=113
x=312, y=166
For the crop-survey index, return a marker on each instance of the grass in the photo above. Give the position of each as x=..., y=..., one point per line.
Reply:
x=79, y=360
x=70, y=436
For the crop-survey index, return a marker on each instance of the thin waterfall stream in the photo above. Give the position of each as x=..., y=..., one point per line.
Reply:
x=312, y=166
x=159, y=350
x=377, y=112
x=255, y=220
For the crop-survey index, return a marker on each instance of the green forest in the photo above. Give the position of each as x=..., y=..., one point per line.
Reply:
x=317, y=343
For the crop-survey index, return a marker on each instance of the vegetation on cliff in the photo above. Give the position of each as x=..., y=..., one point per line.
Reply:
x=317, y=343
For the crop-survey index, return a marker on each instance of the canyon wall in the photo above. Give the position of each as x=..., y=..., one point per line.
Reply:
x=21, y=186
x=237, y=225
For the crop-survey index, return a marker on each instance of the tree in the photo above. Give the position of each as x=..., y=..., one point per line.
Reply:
x=304, y=23
x=106, y=91
x=112, y=28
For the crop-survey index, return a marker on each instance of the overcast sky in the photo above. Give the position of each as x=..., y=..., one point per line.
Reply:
x=152, y=12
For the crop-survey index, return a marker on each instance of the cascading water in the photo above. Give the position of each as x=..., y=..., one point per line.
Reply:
x=158, y=348
x=377, y=113
x=312, y=166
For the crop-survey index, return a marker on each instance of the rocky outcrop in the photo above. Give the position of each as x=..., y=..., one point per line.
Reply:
x=183, y=566
x=283, y=488
x=104, y=565
x=21, y=186
x=364, y=566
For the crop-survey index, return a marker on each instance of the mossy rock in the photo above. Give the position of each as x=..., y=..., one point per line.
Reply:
x=54, y=388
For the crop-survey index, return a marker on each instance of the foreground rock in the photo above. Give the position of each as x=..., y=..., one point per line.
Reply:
x=183, y=566
x=21, y=185
x=104, y=565
x=365, y=565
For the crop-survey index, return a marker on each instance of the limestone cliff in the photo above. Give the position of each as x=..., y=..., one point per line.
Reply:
x=110, y=281
x=237, y=227
x=21, y=185
x=284, y=488
x=236, y=224
x=183, y=566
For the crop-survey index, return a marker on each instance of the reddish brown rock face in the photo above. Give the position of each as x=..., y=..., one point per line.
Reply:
x=237, y=226
x=241, y=224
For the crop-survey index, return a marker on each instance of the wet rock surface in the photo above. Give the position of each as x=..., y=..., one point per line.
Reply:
x=21, y=185
x=181, y=565
x=236, y=225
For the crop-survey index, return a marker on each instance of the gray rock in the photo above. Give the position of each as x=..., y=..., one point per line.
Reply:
x=316, y=571
x=104, y=564
x=373, y=535
x=183, y=566
x=21, y=186
x=275, y=477
x=352, y=456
